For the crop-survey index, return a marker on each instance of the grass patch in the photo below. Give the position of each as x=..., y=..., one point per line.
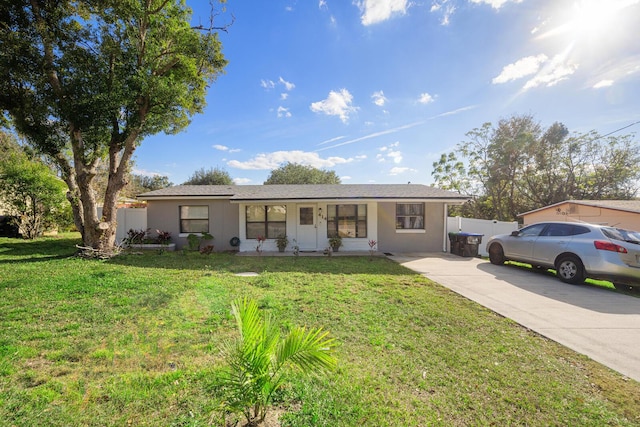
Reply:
x=136, y=341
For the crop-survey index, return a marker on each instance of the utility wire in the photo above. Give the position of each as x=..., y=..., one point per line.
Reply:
x=622, y=128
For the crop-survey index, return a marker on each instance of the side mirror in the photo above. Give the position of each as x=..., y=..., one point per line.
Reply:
x=515, y=233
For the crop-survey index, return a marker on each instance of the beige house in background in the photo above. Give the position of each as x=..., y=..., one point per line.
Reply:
x=399, y=217
x=615, y=213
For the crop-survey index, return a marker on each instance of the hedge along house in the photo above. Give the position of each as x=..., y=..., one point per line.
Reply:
x=399, y=217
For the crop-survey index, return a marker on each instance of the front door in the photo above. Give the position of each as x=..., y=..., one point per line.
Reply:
x=307, y=231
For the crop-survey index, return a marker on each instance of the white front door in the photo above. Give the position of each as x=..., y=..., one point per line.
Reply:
x=307, y=227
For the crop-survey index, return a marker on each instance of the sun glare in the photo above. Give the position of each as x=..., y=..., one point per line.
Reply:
x=589, y=19
x=592, y=18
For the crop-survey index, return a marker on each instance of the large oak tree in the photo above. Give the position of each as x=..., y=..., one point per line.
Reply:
x=86, y=80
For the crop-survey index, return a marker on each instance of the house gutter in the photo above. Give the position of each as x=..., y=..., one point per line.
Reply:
x=444, y=232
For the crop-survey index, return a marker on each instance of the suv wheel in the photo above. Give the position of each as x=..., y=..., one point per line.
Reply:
x=496, y=254
x=569, y=269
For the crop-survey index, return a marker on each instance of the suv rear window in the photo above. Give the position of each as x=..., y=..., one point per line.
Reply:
x=622, y=234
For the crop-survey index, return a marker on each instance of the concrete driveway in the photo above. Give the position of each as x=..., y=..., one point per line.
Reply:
x=602, y=324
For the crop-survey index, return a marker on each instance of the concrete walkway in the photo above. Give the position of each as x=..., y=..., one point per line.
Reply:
x=602, y=324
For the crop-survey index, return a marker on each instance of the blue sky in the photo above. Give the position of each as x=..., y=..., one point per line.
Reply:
x=377, y=90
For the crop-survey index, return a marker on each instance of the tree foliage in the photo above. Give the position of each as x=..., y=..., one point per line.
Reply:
x=518, y=166
x=29, y=190
x=295, y=173
x=136, y=184
x=86, y=81
x=143, y=183
x=212, y=176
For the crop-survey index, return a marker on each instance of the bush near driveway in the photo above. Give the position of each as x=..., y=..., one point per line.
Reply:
x=137, y=341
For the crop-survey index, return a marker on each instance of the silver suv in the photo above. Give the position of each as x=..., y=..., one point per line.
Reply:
x=575, y=250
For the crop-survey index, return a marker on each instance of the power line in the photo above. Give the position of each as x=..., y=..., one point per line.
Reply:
x=622, y=128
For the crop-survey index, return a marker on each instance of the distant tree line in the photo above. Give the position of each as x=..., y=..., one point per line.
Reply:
x=519, y=166
x=289, y=173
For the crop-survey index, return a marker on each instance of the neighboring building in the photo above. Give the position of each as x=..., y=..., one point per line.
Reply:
x=399, y=217
x=617, y=213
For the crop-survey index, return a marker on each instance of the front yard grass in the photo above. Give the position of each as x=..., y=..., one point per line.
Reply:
x=136, y=341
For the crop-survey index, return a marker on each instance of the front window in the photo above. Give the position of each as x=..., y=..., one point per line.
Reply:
x=532, y=230
x=266, y=221
x=194, y=219
x=409, y=216
x=347, y=220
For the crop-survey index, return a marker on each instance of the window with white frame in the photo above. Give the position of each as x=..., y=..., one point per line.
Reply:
x=266, y=221
x=347, y=220
x=194, y=219
x=409, y=216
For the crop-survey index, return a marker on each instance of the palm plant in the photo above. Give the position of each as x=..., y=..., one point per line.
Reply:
x=260, y=359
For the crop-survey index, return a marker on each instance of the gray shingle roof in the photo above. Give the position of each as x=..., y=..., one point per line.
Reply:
x=305, y=192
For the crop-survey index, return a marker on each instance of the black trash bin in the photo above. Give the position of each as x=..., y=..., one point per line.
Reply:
x=465, y=244
x=455, y=246
x=470, y=244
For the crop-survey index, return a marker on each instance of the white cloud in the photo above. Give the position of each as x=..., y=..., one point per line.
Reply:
x=521, y=68
x=396, y=156
x=322, y=4
x=284, y=112
x=225, y=148
x=336, y=104
x=553, y=73
x=399, y=171
x=145, y=172
x=288, y=85
x=425, y=98
x=337, y=138
x=379, y=98
x=284, y=96
x=274, y=160
x=496, y=4
x=270, y=84
x=603, y=83
x=454, y=112
x=374, y=11
x=376, y=134
x=267, y=84
x=240, y=181
x=389, y=153
x=345, y=178
x=445, y=8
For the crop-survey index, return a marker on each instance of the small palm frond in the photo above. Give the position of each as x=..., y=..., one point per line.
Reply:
x=309, y=351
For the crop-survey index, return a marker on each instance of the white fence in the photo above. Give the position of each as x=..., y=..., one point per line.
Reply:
x=480, y=226
x=129, y=218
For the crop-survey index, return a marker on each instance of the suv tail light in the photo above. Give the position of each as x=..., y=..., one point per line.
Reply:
x=609, y=246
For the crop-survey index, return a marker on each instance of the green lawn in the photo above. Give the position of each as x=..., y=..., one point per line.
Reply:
x=136, y=341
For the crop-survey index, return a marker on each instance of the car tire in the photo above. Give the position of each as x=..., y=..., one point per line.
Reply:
x=570, y=269
x=496, y=254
